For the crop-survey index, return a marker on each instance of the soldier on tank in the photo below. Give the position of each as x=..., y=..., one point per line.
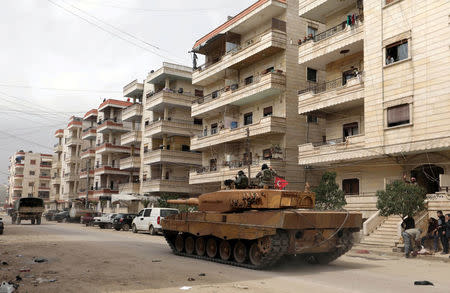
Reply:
x=241, y=181
x=266, y=176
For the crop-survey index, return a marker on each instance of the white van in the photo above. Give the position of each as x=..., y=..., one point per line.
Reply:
x=149, y=219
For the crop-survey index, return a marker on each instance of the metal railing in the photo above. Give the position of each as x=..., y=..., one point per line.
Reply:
x=321, y=87
x=115, y=120
x=332, y=31
x=179, y=91
x=190, y=122
x=234, y=164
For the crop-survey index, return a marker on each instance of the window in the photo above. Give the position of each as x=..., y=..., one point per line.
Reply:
x=267, y=154
x=147, y=212
x=185, y=148
x=312, y=31
x=213, y=128
x=267, y=111
x=312, y=119
x=213, y=164
x=198, y=93
x=214, y=94
x=350, y=129
x=32, y=172
x=397, y=51
x=346, y=75
x=350, y=186
x=31, y=184
x=248, y=118
x=198, y=121
x=33, y=162
x=270, y=69
x=398, y=115
x=311, y=74
x=248, y=80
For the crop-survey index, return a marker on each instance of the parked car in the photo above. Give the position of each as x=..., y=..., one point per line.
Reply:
x=149, y=219
x=123, y=221
x=62, y=217
x=88, y=218
x=2, y=226
x=106, y=221
x=50, y=215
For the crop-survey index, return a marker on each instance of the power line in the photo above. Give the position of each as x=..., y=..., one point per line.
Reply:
x=59, y=89
x=110, y=32
x=26, y=140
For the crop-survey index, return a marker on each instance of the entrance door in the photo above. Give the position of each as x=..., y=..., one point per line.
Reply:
x=427, y=176
x=350, y=129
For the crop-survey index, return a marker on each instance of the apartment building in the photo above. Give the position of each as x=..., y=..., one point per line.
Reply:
x=55, y=190
x=249, y=110
x=29, y=175
x=87, y=156
x=109, y=174
x=378, y=90
x=167, y=129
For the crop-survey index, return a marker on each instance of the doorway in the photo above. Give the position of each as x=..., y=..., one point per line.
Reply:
x=427, y=176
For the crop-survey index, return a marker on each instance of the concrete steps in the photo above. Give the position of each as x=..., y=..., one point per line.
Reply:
x=385, y=234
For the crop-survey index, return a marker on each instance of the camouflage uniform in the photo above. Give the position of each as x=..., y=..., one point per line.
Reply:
x=241, y=182
x=266, y=177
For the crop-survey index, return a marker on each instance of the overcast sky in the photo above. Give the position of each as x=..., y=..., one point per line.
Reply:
x=54, y=64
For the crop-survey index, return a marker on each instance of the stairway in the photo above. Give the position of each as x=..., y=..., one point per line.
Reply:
x=385, y=234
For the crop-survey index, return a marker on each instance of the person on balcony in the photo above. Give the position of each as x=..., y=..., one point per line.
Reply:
x=266, y=177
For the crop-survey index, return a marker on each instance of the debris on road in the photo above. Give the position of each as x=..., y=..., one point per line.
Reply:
x=202, y=274
x=40, y=260
x=44, y=280
x=156, y=260
x=185, y=288
x=423, y=283
x=240, y=286
x=190, y=279
x=4, y=263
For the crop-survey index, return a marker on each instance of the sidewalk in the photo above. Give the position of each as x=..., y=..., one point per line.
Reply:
x=364, y=249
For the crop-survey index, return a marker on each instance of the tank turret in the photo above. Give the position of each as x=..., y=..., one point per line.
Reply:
x=245, y=199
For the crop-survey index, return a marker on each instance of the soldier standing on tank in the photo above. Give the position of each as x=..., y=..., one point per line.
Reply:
x=241, y=181
x=266, y=176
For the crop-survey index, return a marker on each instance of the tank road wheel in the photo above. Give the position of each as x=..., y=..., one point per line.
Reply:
x=211, y=247
x=38, y=221
x=32, y=221
x=225, y=250
x=179, y=243
x=255, y=255
x=189, y=245
x=200, y=246
x=240, y=252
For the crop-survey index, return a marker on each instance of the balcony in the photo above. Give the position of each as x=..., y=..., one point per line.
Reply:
x=59, y=133
x=210, y=174
x=17, y=187
x=129, y=188
x=57, y=164
x=87, y=153
x=259, y=47
x=56, y=180
x=106, y=126
x=334, y=151
x=267, y=125
x=18, y=176
x=133, y=89
x=74, y=122
x=89, y=133
x=262, y=86
x=44, y=188
x=18, y=166
x=44, y=177
x=331, y=95
x=319, y=10
x=167, y=97
x=131, y=163
x=71, y=158
x=107, y=148
x=73, y=141
x=83, y=173
x=57, y=148
x=71, y=176
x=172, y=127
x=133, y=137
x=132, y=113
x=175, y=185
x=105, y=191
x=330, y=45
x=174, y=157
x=91, y=115
x=109, y=170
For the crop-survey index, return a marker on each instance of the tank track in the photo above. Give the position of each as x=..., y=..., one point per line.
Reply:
x=279, y=246
x=344, y=245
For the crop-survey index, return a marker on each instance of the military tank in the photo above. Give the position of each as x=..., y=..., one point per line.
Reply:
x=255, y=228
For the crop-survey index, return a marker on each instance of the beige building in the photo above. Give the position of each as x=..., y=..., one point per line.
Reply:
x=379, y=91
x=29, y=175
x=250, y=81
x=87, y=155
x=55, y=189
x=167, y=129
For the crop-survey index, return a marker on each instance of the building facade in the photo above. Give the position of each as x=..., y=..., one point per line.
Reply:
x=378, y=90
x=29, y=175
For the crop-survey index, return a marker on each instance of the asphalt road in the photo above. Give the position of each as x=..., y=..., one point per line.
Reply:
x=88, y=259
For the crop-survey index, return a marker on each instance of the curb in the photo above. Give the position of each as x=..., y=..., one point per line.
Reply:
x=372, y=251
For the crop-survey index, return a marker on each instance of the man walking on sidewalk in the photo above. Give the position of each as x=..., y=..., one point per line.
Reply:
x=410, y=237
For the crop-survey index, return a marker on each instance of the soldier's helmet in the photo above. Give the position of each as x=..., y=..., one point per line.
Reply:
x=264, y=166
x=240, y=173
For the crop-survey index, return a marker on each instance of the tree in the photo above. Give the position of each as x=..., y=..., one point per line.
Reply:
x=401, y=198
x=145, y=202
x=328, y=194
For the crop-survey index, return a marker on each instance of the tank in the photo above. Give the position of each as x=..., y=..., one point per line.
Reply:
x=255, y=228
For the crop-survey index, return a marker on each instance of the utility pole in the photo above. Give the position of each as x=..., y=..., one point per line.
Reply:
x=247, y=150
x=86, y=204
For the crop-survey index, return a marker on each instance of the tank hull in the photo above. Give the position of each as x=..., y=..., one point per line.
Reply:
x=266, y=235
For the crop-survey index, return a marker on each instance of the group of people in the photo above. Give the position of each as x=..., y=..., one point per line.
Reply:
x=438, y=229
x=265, y=177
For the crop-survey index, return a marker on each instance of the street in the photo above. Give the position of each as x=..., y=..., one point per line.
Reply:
x=88, y=259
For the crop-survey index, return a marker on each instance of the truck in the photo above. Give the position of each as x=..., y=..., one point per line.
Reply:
x=27, y=208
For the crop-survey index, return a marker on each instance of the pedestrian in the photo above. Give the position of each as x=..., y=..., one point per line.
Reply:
x=441, y=232
x=266, y=177
x=431, y=233
x=389, y=60
x=241, y=181
x=411, y=237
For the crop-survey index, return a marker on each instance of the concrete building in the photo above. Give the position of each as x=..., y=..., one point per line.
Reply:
x=378, y=85
x=167, y=129
x=250, y=81
x=56, y=201
x=29, y=175
x=87, y=156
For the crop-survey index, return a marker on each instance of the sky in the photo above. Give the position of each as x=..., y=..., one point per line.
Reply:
x=54, y=64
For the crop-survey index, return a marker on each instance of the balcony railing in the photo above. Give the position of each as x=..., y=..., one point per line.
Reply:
x=321, y=87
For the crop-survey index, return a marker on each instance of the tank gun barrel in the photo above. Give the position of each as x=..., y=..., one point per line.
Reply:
x=189, y=201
